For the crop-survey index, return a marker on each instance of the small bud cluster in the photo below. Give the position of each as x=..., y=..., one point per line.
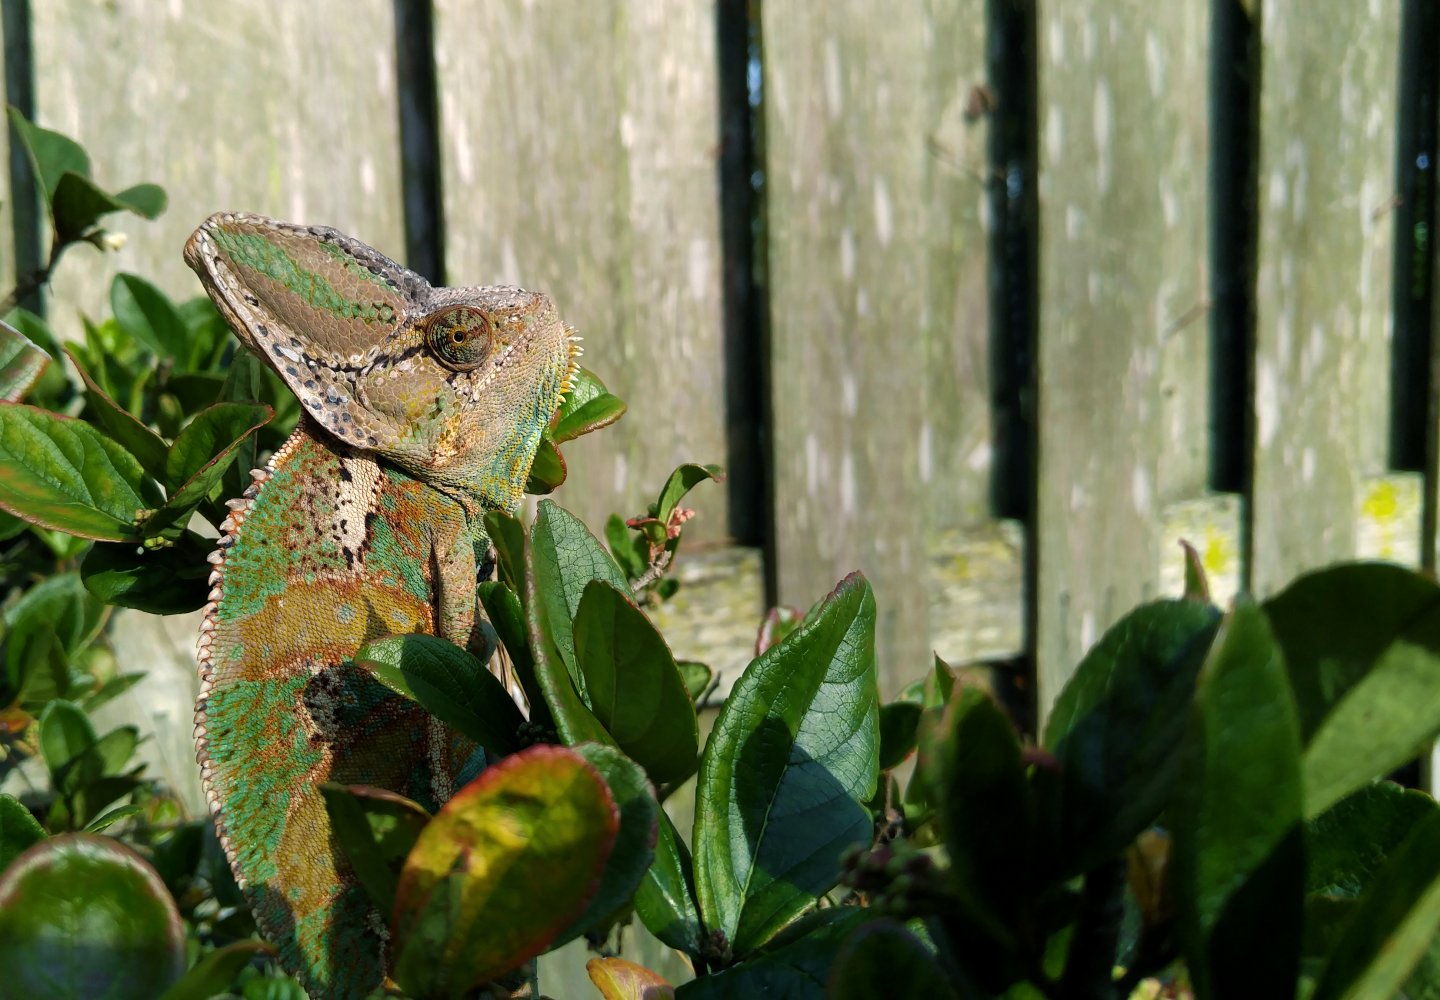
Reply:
x=894, y=877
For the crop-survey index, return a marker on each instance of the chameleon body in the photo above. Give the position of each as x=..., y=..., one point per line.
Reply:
x=423, y=409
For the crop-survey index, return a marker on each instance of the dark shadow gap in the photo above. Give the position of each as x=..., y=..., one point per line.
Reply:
x=1234, y=233
x=742, y=236
x=25, y=206
x=420, y=174
x=1014, y=283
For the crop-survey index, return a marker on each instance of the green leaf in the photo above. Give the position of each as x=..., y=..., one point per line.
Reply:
x=1394, y=925
x=1347, y=844
x=79, y=203
x=22, y=363
x=794, y=752
x=1115, y=729
x=61, y=603
x=899, y=722
x=665, y=901
x=794, y=967
x=50, y=153
x=635, y=688
x=507, y=864
x=507, y=534
x=883, y=959
x=628, y=548
x=147, y=314
x=147, y=446
x=63, y=474
x=507, y=618
x=574, y=722
x=109, y=690
x=164, y=581
x=1239, y=866
x=449, y=683
x=776, y=625
x=585, y=385
x=682, y=481
x=377, y=830
x=18, y=830
x=547, y=471
x=65, y=734
x=53, y=389
x=562, y=558
x=110, y=818
x=199, y=457
x=634, y=848
x=1361, y=643
x=985, y=813
x=212, y=975
x=696, y=677
x=82, y=916
x=600, y=411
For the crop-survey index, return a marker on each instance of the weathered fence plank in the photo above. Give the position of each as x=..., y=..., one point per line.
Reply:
x=1122, y=228
x=579, y=159
x=275, y=107
x=874, y=178
x=1326, y=183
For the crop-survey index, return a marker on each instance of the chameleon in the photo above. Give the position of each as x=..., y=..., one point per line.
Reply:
x=422, y=408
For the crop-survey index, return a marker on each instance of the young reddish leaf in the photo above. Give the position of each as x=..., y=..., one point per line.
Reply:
x=62, y=473
x=507, y=864
x=776, y=625
x=83, y=916
x=618, y=979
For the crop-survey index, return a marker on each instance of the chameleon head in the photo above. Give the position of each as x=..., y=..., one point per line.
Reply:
x=455, y=385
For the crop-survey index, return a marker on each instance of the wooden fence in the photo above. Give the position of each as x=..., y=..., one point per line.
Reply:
x=992, y=300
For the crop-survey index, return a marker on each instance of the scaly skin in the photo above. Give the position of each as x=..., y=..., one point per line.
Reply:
x=424, y=407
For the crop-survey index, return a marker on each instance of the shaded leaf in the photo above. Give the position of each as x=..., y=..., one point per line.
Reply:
x=547, y=471
x=1347, y=844
x=377, y=830
x=794, y=752
x=165, y=581
x=507, y=534
x=881, y=959
x=795, y=966
x=82, y=916
x=665, y=901
x=1238, y=851
x=147, y=446
x=696, y=677
x=899, y=722
x=507, y=618
x=79, y=203
x=65, y=735
x=110, y=818
x=63, y=474
x=215, y=972
x=635, y=689
x=22, y=363
x=503, y=867
x=18, y=830
x=449, y=683
x=147, y=314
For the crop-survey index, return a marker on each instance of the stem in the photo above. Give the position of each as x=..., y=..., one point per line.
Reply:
x=28, y=283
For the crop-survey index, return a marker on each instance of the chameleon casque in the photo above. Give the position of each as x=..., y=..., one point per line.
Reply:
x=422, y=408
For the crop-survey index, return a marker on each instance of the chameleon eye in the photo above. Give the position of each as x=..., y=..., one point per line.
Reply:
x=459, y=338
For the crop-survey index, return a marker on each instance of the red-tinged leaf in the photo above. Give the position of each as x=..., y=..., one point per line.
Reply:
x=618, y=979
x=547, y=471
x=776, y=625
x=62, y=473
x=83, y=916
x=506, y=865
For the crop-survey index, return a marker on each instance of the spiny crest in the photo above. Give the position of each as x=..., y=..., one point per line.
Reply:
x=453, y=384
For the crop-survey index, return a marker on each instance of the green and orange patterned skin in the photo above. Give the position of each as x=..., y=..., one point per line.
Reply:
x=423, y=409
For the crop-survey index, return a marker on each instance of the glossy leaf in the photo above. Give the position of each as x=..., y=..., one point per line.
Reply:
x=200, y=455
x=562, y=558
x=682, y=481
x=82, y=917
x=1361, y=643
x=883, y=959
x=507, y=863
x=696, y=677
x=619, y=979
x=63, y=474
x=1239, y=855
x=1347, y=844
x=147, y=446
x=574, y=722
x=22, y=363
x=634, y=842
x=665, y=901
x=18, y=830
x=449, y=683
x=1395, y=923
x=110, y=818
x=1115, y=729
x=794, y=752
x=52, y=389
x=377, y=830
x=635, y=689
x=585, y=385
x=163, y=581
x=507, y=618
x=147, y=314
x=507, y=534
x=547, y=471
x=595, y=413
x=212, y=975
